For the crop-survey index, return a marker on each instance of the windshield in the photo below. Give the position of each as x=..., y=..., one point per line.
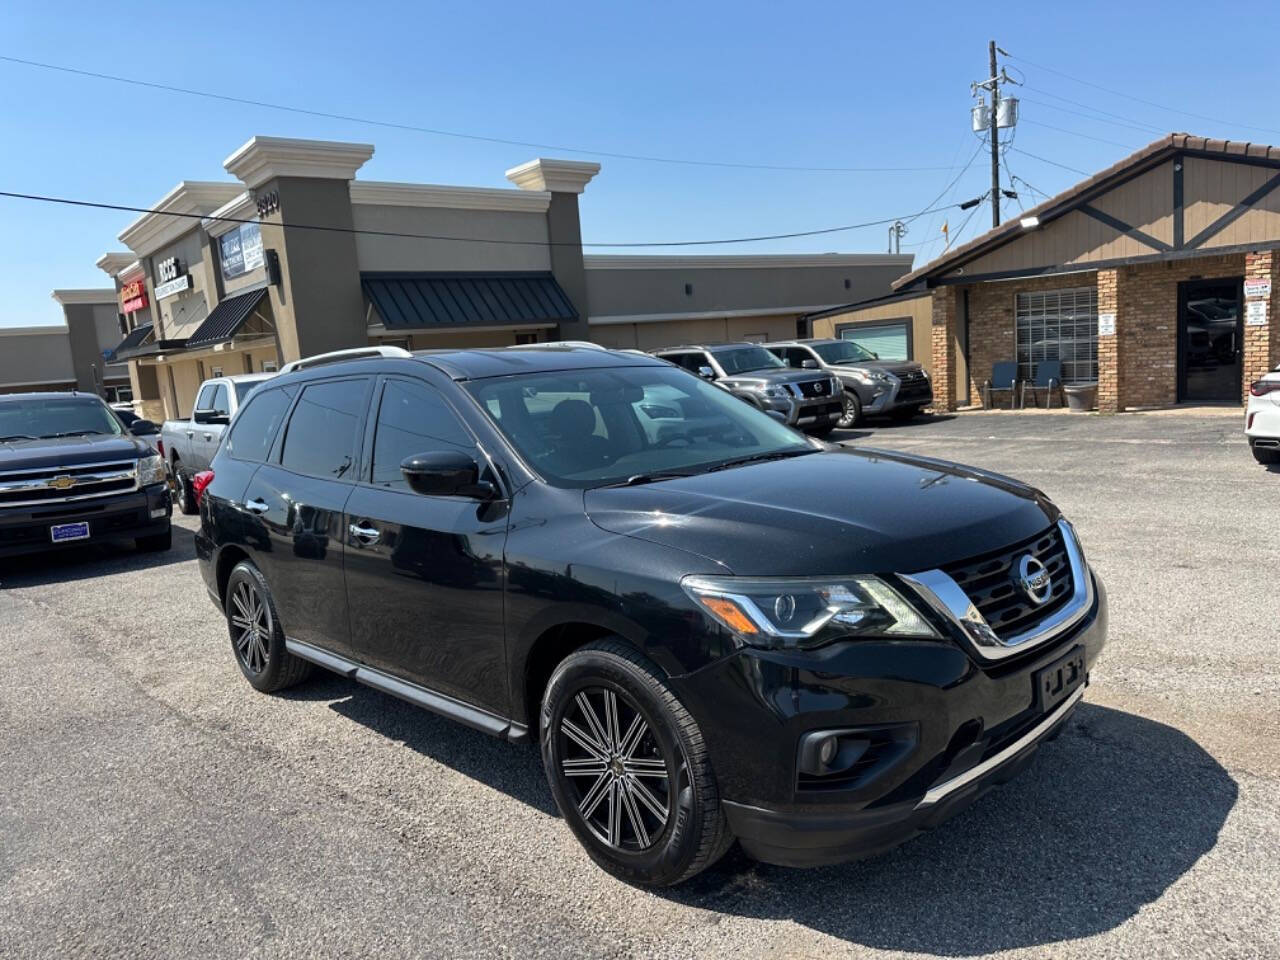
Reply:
x=846, y=351
x=41, y=418
x=625, y=424
x=742, y=359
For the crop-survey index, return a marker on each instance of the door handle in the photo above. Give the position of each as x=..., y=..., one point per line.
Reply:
x=208, y=436
x=366, y=535
x=258, y=506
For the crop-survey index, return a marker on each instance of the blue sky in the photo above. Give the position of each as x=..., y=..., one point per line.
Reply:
x=818, y=84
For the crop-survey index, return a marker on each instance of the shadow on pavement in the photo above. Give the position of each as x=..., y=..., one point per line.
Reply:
x=1101, y=823
x=92, y=560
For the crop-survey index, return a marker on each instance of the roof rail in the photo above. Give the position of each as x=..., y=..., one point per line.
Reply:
x=587, y=344
x=337, y=356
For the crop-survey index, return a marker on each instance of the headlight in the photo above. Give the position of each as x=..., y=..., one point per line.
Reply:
x=150, y=470
x=806, y=612
x=871, y=377
x=769, y=391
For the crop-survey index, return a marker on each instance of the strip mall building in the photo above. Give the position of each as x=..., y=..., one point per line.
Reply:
x=1158, y=279
x=297, y=256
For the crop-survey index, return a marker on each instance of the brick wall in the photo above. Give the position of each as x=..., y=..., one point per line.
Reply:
x=1109, y=351
x=943, y=346
x=1262, y=344
x=1147, y=323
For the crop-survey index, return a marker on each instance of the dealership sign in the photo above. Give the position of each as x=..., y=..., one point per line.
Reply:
x=1257, y=288
x=133, y=295
x=240, y=250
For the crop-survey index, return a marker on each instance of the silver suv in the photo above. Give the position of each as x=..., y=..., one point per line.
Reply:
x=870, y=386
x=807, y=398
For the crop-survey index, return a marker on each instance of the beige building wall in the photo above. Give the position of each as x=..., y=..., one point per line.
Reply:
x=918, y=311
x=673, y=333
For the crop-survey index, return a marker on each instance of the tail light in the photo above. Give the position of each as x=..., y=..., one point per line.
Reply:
x=199, y=482
x=160, y=447
x=1260, y=388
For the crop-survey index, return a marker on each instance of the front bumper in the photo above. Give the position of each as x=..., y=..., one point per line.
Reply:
x=803, y=412
x=973, y=727
x=885, y=398
x=138, y=513
x=1262, y=419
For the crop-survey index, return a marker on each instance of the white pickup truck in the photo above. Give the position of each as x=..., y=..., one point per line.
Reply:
x=189, y=445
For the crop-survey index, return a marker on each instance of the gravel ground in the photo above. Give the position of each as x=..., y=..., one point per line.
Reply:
x=151, y=804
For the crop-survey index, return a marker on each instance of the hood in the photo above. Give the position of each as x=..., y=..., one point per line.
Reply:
x=772, y=376
x=838, y=511
x=895, y=367
x=69, y=452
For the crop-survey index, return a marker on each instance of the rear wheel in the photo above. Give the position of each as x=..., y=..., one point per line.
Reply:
x=257, y=641
x=183, y=493
x=1265, y=455
x=628, y=768
x=852, y=415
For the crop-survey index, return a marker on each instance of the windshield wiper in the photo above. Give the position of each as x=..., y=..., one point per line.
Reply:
x=760, y=458
x=71, y=433
x=18, y=436
x=638, y=478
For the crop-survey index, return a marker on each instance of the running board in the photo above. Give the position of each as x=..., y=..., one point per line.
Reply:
x=446, y=706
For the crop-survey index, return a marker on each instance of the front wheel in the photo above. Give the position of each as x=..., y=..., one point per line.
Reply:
x=628, y=768
x=257, y=640
x=184, y=494
x=852, y=415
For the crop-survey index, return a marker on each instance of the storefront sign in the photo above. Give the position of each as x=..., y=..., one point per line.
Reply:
x=268, y=203
x=168, y=269
x=240, y=250
x=170, y=279
x=1106, y=324
x=1255, y=313
x=133, y=295
x=173, y=287
x=1257, y=288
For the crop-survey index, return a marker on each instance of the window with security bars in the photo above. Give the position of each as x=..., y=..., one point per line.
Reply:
x=1059, y=325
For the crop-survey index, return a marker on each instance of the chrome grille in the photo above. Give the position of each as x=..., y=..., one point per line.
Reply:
x=812, y=389
x=988, y=581
x=58, y=484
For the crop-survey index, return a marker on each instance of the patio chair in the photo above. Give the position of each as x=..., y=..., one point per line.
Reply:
x=1048, y=377
x=1004, y=379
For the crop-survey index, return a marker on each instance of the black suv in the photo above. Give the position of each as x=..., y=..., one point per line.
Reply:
x=71, y=472
x=715, y=627
x=807, y=399
x=871, y=386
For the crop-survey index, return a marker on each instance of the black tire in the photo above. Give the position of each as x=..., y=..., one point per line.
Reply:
x=261, y=657
x=155, y=543
x=1266, y=455
x=852, y=411
x=184, y=496
x=667, y=751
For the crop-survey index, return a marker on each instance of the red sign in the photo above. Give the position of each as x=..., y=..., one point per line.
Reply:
x=133, y=295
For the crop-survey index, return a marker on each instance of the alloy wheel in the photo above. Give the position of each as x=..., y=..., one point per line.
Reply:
x=250, y=627
x=848, y=413
x=615, y=770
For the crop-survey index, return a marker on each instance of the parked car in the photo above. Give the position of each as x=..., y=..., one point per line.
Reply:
x=870, y=386
x=715, y=627
x=805, y=399
x=1262, y=418
x=70, y=472
x=188, y=445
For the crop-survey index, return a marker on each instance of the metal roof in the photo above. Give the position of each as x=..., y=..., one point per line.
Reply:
x=225, y=320
x=134, y=339
x=416, y=301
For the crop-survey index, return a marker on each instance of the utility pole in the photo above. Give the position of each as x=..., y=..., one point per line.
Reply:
x=896, y=232
x=995, y=137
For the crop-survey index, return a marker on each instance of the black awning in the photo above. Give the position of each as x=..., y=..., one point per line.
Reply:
x=130, y=343
x=225, y=320
x=417, y=301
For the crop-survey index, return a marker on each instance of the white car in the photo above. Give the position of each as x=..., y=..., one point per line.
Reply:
x=1262, y=418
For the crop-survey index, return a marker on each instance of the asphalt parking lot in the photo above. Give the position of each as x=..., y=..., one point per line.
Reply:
x=152, y=804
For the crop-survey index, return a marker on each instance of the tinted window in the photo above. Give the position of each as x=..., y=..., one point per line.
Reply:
x=245, y=387
x=205, y=400
x=256, y=425
x=744, y=359
x=220, y=404
x=321, y=439
x=412, y=419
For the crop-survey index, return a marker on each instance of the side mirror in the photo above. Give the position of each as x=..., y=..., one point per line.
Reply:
x=874, y=355
x=706, y=373
x=143, y=428
x=446, y=473
x=210, y=417
x=808, y=364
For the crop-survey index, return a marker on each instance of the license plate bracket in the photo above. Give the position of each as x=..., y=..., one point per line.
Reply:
x=66, y=532
x=1058, y=680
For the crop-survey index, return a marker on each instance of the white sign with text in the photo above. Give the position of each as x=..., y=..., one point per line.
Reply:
x=1255, y=314
x=1257, y=288
x=1106, y=324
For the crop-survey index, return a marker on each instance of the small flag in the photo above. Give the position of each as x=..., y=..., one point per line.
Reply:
x=946, y=232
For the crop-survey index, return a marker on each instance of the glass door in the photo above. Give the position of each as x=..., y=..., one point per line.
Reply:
x=1210, y=341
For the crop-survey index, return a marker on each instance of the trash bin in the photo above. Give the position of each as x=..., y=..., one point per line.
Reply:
x=1081, y=397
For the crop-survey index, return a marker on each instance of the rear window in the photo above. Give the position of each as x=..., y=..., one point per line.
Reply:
x=321, y=438
x=255, y=427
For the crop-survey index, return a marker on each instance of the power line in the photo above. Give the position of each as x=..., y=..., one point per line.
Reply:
x=1142, y=127
x=393, y=125
x=67, y=201
x=1055, y=163
x=1149, y=103
x=1077, y=134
